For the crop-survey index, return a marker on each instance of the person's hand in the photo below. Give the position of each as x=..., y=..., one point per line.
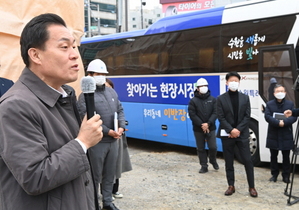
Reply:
x=120, y=131
x=114, y=134
x=235, y=133
x=287, y=113
x=281, y=123
x=205, y=127
x=90, y=132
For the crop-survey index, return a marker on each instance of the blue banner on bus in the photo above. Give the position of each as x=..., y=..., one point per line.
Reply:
x=164, y=90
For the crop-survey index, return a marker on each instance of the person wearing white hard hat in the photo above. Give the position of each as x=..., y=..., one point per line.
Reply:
x=104, y=154
x=202, y=112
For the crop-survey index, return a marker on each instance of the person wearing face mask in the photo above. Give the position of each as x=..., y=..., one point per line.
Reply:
x=233, y=110
x=103, y=156
x=202, y=112
x=280, y=133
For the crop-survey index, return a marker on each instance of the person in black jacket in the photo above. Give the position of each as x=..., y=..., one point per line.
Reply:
x=5, y=84
x=202, y=112
x=233, y=111
x=280, y=133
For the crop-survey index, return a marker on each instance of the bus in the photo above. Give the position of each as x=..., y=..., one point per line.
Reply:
x=154, y=70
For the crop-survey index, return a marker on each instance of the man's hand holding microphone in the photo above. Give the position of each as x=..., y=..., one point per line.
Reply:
x=90, y=132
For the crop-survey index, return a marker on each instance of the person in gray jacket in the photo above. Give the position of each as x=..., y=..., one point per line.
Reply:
x=43, y=161
x=202, y=112
x=104, y=155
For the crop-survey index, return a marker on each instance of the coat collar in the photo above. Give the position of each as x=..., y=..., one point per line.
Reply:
x=39, y=88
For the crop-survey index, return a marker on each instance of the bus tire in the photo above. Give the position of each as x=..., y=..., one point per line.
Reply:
x=253, y=145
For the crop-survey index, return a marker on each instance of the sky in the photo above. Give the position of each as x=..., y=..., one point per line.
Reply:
x=149, y=4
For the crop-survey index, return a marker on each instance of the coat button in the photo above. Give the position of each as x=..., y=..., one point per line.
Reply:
x=86, y=182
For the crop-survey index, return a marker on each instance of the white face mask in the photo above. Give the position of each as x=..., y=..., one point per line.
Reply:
x=100, y=80
x=233, y=86
x=280, y=95
x=203, y=89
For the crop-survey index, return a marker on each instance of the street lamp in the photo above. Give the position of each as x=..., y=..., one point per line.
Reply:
x=141, y=10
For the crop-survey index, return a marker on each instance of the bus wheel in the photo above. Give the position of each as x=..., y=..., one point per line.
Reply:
x=253, y=145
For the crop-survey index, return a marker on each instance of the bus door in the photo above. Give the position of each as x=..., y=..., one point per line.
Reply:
x=277, y=65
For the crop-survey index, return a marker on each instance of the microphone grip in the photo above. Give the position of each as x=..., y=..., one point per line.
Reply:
x=90, y=107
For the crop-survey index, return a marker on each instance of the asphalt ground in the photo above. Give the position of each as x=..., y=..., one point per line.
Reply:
x=165, y=177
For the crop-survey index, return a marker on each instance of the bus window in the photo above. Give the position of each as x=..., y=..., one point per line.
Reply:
x=277, y=64
x=241, y=41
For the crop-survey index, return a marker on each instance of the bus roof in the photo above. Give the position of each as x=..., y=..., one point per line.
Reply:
x=220, y=15
x=103, y=38
x=190, y=20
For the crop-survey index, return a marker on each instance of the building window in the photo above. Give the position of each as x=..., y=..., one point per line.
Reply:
x=133, y=19
x=103, y=7
x=108, y=23
x=150, y=21
x=134, y=26
x=158, y=15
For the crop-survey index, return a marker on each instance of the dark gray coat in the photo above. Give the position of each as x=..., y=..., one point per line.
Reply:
x=225, y=114
x=123, y=160
x=42, y=167
x=279, y=138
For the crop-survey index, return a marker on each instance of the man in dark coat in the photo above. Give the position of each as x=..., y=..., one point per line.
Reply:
x=43, y=160
x=280, y=132
x=202, y=112
x=233, y=110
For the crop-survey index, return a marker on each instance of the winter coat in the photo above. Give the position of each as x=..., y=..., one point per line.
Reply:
x=123, y=160
x=42, y=166
x=226, y=115
x=279, y=138
x=106, y=104
x=202, y=109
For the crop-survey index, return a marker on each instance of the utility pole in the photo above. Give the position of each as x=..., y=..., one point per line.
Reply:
x=119, y=16
x=141, y=10
x=99, y=20
x=88, y=17
x=126, y=15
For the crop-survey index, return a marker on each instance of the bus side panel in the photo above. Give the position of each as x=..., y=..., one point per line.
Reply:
x=166, y=123
x=133, y=115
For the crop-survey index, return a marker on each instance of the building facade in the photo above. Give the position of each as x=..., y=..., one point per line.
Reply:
x=137, y=21
x=101, y=16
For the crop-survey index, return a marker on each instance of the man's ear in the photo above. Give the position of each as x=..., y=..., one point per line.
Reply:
x=34, y=55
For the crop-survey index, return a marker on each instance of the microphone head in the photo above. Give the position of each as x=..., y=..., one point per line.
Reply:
x=88, y=84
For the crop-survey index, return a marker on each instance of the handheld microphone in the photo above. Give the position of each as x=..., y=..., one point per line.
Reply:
x=88, y=86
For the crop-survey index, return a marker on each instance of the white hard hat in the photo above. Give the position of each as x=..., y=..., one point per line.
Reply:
x=97, y=66
x=201, y=82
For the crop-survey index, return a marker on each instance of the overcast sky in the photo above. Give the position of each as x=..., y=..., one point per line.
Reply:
x=149, y=3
